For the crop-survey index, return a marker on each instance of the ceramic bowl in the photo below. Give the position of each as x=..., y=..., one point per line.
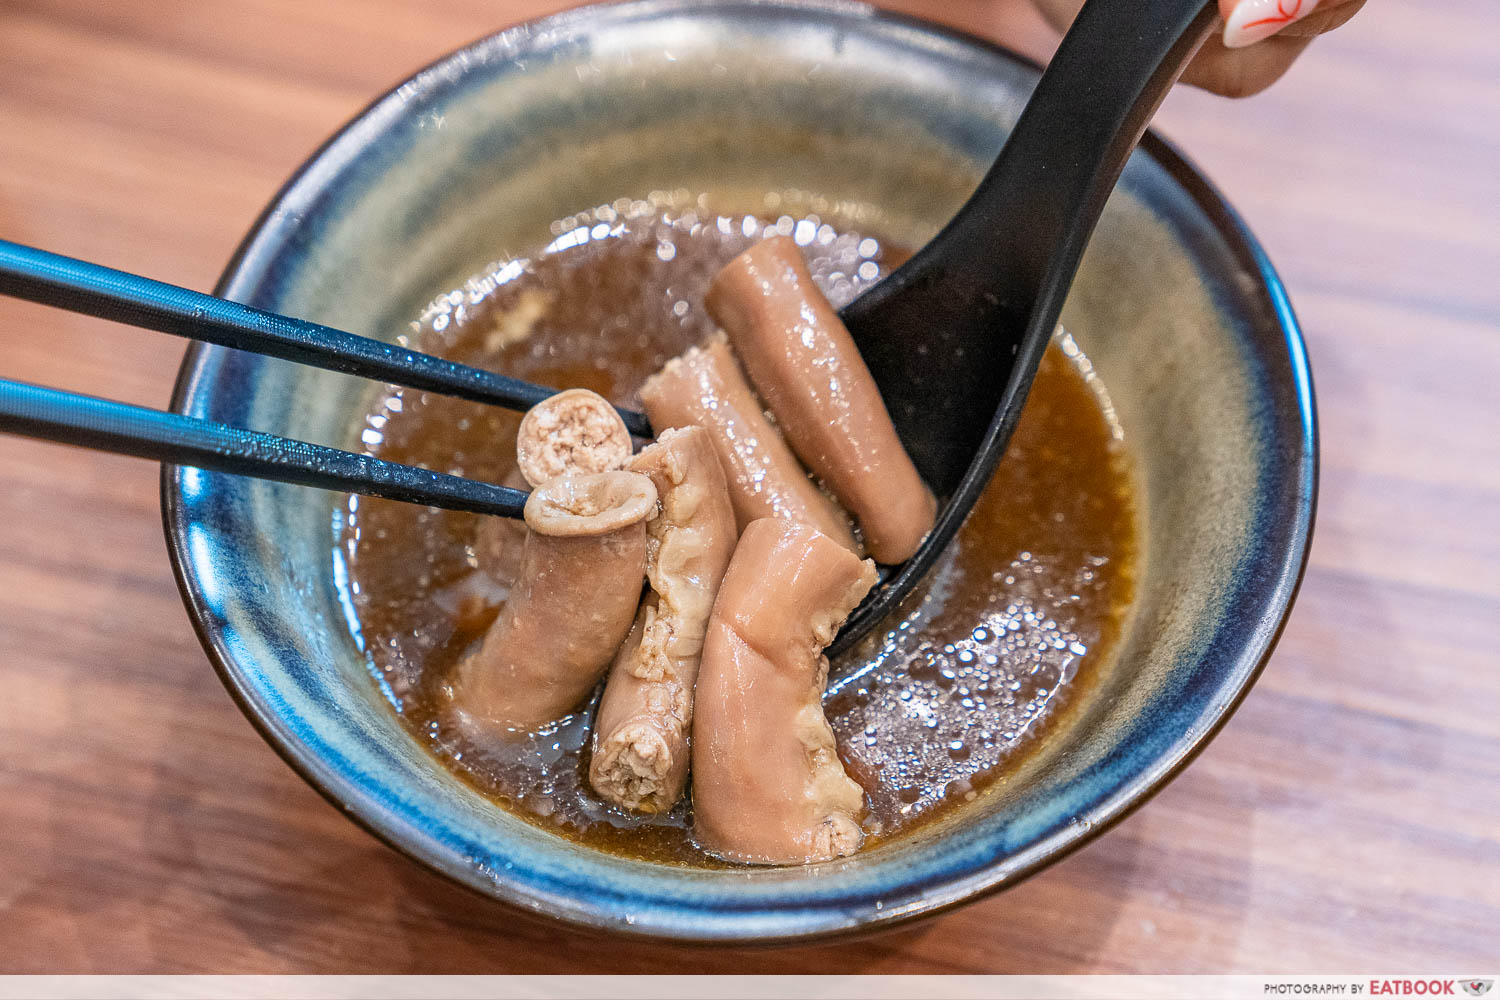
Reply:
x=474, y=156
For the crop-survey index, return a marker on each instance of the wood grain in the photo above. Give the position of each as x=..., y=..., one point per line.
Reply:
x=1348, y=819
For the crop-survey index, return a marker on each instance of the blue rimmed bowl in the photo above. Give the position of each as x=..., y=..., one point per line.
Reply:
x=893, y=120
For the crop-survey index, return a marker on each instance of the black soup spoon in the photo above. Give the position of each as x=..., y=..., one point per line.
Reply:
x=984, y=296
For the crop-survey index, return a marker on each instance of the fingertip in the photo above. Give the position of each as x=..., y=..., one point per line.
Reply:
x=1253, y=21
x=1243, y=73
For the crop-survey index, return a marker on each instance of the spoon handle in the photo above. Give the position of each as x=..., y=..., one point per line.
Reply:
x=983, y=297
x=1032, y=215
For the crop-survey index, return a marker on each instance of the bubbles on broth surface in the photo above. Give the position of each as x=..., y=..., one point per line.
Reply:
x=926, y=719
x=1020, y=614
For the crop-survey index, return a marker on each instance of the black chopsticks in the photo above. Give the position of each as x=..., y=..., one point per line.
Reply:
x=104, y=425
x=78, y=286
x=82, y=287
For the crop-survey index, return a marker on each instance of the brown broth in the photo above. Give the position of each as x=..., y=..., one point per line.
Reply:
x=1020, y=614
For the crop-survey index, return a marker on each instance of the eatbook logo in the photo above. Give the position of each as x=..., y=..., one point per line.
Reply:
x=1476, y=987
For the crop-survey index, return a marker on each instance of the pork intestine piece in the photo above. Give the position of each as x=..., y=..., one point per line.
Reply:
x=582, y=566
x=571, y=432
x=768, y=785
x=804, y=364
x=705, y=387
x=641, y=732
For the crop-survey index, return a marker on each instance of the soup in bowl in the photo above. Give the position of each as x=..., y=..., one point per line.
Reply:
x=553, y=202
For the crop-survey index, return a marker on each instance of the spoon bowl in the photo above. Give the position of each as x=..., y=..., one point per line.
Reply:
x=987, y=291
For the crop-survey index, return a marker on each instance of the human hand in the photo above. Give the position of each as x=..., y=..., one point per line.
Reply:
x=1260, y=41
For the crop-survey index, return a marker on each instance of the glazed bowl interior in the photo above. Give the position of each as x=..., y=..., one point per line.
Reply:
x=835, y=108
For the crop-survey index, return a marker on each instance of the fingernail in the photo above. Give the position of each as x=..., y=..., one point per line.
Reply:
x=1254, y=20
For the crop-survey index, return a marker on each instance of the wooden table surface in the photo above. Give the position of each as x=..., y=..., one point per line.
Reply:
x=1348, y=819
